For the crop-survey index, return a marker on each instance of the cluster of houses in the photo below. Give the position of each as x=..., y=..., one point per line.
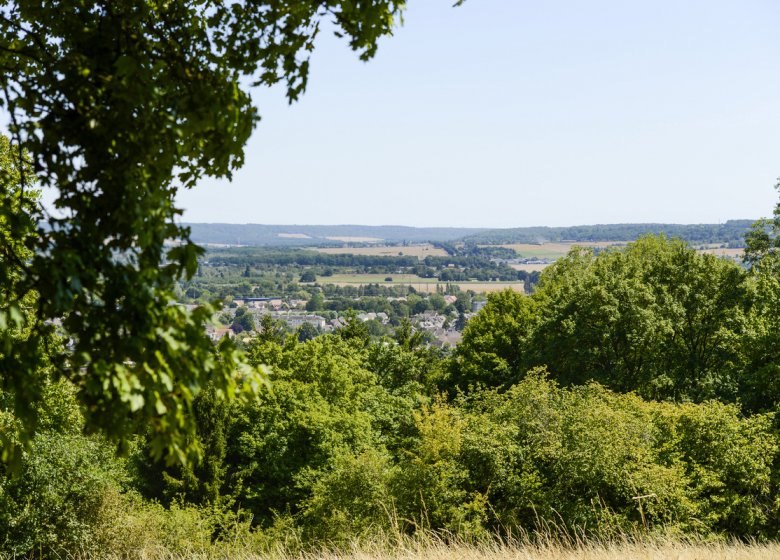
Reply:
x=431, y=321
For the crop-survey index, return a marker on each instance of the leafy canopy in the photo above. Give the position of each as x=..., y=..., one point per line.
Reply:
x=119, y=104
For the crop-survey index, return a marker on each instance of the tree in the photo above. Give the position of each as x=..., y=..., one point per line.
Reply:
x=761, y=382
x=316, y=302
x=493, y=348
x=656, y=318
x=243, y=321
x=307, y=331
x=271, y=330
x=119, y=104
x=308, y=276
x=763, y=240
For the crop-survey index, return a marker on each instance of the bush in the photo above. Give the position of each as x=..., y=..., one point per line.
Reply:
x=61, y=499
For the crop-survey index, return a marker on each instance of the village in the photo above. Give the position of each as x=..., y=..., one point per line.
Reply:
x=443, y=328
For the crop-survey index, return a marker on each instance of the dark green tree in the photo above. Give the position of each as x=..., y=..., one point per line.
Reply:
x=243, y=321
x=316, y=302
x=307, y=331
x=271, y=330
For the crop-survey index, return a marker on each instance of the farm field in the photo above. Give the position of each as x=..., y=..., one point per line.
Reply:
x=417, y=282
x=552, y=250
x=529, y=267
x=724, y=252
x=420, y=251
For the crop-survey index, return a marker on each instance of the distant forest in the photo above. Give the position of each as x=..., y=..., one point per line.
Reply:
x=730, y=233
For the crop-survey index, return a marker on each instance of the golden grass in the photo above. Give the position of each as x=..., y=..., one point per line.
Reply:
x=411, y=550
x=554, y=552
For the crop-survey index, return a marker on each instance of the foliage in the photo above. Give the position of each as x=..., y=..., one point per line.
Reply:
x=588, y=455
x=494, y=342
x=763, y=240
x=118, y=106
x=59, y=499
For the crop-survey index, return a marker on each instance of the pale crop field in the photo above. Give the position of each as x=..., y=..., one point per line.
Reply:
x=720, y=252
x=530, y=267
x=554, y=250
x=420, y=251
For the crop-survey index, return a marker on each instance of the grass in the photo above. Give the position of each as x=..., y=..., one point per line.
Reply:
x=438, y=550
x=677, y=551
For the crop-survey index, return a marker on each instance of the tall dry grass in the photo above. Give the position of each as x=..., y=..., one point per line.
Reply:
x=643, y=551
x=497, y=551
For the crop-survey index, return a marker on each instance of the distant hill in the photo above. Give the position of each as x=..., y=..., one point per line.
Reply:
x=298, y=235
x=731, y=233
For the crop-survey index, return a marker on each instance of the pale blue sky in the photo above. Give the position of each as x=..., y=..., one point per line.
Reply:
x=508, y=113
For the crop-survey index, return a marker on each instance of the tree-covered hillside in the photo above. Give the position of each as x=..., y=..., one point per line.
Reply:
x=731, y=233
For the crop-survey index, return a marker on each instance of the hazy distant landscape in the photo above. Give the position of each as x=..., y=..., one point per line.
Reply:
x=570, y=351
x=731, y=231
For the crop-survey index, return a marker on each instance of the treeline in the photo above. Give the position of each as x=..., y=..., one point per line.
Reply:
x=283, y=257
x=731, y=233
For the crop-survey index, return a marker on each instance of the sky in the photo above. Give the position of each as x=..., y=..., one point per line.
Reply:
x=513, y=113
